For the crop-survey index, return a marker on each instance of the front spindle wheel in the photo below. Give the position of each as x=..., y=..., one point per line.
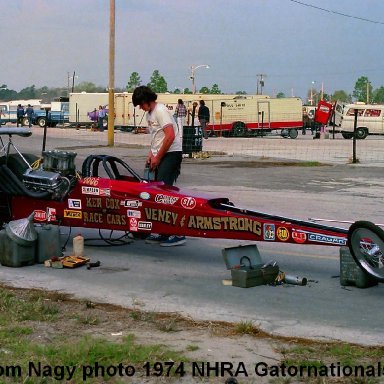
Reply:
x=366, y=244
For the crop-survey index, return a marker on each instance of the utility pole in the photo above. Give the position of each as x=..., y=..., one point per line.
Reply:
x=260, y=81
x=73, y=81
x=111, y=87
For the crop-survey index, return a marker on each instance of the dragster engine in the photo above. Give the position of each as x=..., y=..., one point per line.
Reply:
x=57, y=175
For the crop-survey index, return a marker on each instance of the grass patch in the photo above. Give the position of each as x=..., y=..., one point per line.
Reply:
x=338, y=354
x=40, y=331
x=192, y=348
x=246, y=328
x=309, y=164
x=61, y=331
x=87, y=319
x=36, y=308
x=83, y=356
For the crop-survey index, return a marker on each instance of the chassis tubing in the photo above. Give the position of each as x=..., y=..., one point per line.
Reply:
x=282, y=218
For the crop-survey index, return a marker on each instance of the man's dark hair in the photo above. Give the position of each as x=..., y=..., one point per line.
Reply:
x=202, y=102
x=142, y=95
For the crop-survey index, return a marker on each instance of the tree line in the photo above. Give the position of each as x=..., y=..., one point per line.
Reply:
x=363, y=90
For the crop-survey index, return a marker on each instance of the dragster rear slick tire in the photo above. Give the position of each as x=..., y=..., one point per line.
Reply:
x=366, y=244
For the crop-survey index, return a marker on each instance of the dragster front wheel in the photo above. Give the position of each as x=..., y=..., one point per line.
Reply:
x=366, y=244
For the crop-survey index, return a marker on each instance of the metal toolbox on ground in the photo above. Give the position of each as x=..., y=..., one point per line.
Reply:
x=247, y=268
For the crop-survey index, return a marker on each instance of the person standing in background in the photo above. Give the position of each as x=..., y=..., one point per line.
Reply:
x=100, y=118
x=181, y=114
x=30, y=113
x=19, y=114
x=192, y=115
x=203, y=115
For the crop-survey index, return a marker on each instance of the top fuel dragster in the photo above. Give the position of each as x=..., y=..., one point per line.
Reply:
x=108, y=194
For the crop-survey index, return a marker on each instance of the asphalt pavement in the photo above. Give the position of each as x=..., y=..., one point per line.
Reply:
x=189, y=279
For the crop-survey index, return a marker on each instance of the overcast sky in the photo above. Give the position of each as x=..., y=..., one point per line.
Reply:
x=292, y=44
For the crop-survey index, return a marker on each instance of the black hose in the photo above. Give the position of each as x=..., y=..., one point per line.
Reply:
x=20, y=186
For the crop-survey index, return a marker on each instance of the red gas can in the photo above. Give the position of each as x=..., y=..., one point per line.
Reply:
x=323, y=112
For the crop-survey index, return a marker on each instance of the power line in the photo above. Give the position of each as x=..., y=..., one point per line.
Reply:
x=336, y=13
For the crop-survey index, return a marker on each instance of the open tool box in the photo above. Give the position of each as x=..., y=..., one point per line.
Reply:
x=247, y=268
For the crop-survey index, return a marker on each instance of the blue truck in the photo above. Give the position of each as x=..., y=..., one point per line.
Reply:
x=56, y=113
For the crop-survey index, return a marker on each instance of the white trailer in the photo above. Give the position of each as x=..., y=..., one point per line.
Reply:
x=82, y=103
x=230, y=115
x=257, y=116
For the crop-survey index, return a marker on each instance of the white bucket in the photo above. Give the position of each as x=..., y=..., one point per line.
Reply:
x=78, y=245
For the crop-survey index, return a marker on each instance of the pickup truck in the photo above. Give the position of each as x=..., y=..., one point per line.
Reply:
x=58, y=114
x=7, y=114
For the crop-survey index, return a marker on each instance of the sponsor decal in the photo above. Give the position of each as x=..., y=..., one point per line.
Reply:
x=145, y=196
x=101, y=218
x=144, y=225
x=238, y=224
x=319, y=238
x=282, y=233
x=134, y=213
x=99, y=202
x=299, y=237
x=94, y=181
x=324, y=108
x=51, y=214
x=132, y=203
x=90, y=191
x=40, y=215
x=105, y=192
x=133, y=225
x=165, y=199
x=161, y=215
x=188, y=202
x=72, y=214
x=269, y=231
x=74, y=203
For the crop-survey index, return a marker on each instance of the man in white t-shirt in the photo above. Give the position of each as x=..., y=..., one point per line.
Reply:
x=166, y=152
